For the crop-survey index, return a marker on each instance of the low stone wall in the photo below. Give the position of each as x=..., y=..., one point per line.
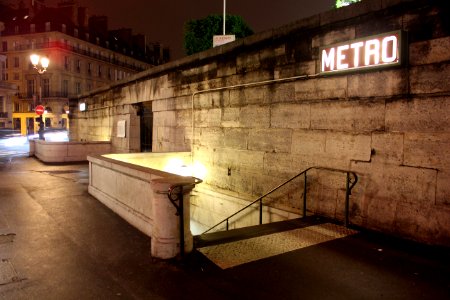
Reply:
x=139, y=195
x=56, y=152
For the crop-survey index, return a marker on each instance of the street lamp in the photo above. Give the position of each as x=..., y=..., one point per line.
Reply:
x=41, y=65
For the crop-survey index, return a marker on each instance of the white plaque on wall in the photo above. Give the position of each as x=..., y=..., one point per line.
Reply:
x=121, y=128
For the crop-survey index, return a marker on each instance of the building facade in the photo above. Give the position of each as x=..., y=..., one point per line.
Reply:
x=83, y=56
x=7, y=91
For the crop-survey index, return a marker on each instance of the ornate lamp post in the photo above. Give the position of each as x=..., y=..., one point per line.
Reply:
x=41, y=65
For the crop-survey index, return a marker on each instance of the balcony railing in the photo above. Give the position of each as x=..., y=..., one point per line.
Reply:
x=3, y=115
x=27, y=96
x=60, y=45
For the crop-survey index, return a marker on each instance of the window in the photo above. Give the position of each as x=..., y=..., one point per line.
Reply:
x=47, y=26
x=109, y=73
x=66, y=63
x=78, y=88
x=30, y=88
x=89, y=87
x=16, y=29
x=16, y=76
x=99, y=73
x=4, y=46
x=16, y=62
x=78, y=66
x=45, y=87
x=3, y=69
x=32, y=28
x=75, y=32
x=65, y=88
x=89, y=68
x=63, y=28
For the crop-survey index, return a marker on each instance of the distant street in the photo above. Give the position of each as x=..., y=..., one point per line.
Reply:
x=12, y=144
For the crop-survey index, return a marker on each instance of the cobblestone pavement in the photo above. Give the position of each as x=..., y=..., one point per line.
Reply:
x=58, y=242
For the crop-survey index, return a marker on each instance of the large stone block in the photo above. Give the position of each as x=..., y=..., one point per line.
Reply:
x=387, y=148
x=418, y=115
x=184, y=118
x=427, y=150
x=210, y=137
x=236, y=138
x=281, y=92
x=430, y=79
x=443, y=189
x=279, y=163
x=204, y=155
x=296, y=69
x=333, y=37
x=378, y=84
x=289, y=115
x=249, y=95
x=208, y=117
x=348, y=115
x=230, y=117
x=270, y=140
x=323, y=88
x=416, y=186
x=428, y=224
x=429, y=52
x=308, y=142
x=247, y=62
x=165, y=118
x=211, y=99
x=239, y=160
x=255, y=116
x=346, y=146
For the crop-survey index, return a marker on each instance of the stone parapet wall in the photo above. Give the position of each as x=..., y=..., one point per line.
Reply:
x=261, y=114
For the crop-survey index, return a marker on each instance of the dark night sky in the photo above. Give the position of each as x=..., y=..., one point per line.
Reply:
x=163, y=20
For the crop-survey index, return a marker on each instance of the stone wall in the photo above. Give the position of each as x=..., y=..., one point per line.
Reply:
x=259, y=119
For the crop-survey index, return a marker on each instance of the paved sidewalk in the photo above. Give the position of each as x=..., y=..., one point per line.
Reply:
x=58, y=242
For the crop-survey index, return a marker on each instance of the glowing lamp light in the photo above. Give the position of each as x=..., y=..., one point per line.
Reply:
x=34, y=59
x=39, y=63
x=45, y=62
x=178, y=167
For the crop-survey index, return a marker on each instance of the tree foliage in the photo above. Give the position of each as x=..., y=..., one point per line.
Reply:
x=341, y=3
x=198, y=34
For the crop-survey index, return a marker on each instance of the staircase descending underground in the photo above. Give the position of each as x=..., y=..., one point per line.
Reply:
x=311, y=227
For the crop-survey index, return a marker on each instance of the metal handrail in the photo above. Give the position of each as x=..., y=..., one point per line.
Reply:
x=349, y=187
x=175, y=193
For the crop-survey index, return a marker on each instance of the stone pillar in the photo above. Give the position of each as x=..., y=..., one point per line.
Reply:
x=165, y=239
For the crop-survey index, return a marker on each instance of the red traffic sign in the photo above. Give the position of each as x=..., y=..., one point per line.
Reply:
x=39, y=109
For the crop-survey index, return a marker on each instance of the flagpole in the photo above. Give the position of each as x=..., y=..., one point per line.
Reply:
x=224, y=15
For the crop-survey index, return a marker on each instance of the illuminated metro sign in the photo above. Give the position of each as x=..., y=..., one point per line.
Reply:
x=374, y=51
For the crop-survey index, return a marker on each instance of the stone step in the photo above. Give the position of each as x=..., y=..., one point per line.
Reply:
x=232, y=235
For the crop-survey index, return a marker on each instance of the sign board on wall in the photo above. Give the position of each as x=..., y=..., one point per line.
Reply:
x=223, y=39
x=121, y=128
x=377, y=51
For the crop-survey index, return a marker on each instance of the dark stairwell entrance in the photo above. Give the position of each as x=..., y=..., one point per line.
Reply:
x=146, y=116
